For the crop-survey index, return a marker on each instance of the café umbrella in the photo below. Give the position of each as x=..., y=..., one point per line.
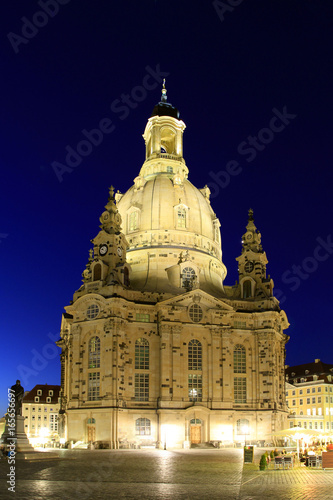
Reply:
x=298, y=433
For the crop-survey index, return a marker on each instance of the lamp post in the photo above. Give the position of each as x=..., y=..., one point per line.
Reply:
x=245, y=431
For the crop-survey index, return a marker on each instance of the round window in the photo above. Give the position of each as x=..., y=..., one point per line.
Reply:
x=92, y=311
x=195, y=313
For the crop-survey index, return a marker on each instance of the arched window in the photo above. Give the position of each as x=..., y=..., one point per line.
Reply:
x=141, y=354
x=195, y=368
x=94, y=353
x=126, y=276
x=243, y=426
x=97, y=272
x=247, y=289
x=239, y=359
x=194, y=355
x=142, y=427
x=188, y=278
x=181, y=217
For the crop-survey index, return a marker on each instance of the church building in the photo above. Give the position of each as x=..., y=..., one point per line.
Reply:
x=156, y=349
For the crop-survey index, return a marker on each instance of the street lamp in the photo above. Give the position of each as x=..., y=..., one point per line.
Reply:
x=245, y=431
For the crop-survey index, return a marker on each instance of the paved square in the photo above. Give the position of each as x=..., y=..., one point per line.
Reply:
x=163, y=475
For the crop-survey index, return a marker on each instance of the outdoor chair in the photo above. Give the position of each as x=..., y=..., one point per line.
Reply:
x=312, y=461
x=288, y=462
x=278, y=463
x=319, y=461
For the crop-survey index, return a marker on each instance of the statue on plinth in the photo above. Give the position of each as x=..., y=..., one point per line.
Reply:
x=18, y=391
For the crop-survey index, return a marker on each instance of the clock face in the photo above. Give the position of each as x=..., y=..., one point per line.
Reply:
x=119, y=251
x=103, y=249
x=249, y=236
x=249, y=266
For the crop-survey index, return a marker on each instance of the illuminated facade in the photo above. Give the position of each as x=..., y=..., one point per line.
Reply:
x=40, y=409
x=309, y=394
x=155, y=349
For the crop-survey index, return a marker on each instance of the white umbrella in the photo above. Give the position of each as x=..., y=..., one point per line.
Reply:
x=298, y=433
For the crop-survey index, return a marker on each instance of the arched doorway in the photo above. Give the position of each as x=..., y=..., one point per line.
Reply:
x=195, y=430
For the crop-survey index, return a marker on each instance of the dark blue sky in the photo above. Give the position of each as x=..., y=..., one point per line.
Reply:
x=253, y=83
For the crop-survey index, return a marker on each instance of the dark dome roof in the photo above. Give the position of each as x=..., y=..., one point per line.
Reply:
x=165, y=109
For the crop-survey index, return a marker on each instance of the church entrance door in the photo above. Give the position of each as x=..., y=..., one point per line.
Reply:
x=196, y=434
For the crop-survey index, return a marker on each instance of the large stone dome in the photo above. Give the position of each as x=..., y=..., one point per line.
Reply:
x=171, y=228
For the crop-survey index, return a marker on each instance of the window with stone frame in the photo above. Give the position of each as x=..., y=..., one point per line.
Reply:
x=194, y=355
x=195, y=370
x=94, y=353
x=141, y=387
x=93, y=386
x=242, y=426
x=133, y=221
x=247, y=289
x=239, y=359
x=141, y=354
x=142, y=427
x=181, y=217
x=195, y=386
x=240, y=390
x=188, y=277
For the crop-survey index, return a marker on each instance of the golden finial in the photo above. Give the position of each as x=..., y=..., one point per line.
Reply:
x=164, y=92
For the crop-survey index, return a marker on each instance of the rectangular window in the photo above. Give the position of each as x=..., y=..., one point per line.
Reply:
x=327, y=426
x=54, y=423
x=93, y=386
x=308, y=411
x=313, y=411
x=291, y=425
x=310, y=425
x=308, y=391
x=240, y=389
x=320, y=411
x=319, y=389
x=141, y=354
x=301, y=391
x=304, y=425
x=294, y=393
x=141, y=387
x=326, y=399
x=133, y=221
x=181, y=217
x=294, y=402
x=313, y=389
x=321, y=425
x=194, y=387
x=143, y=317
x=331, y=426
x=301, y=401
x=319, y=399
x=316, y=425
x=142, y=427
x=307, y=401
x=313, y=401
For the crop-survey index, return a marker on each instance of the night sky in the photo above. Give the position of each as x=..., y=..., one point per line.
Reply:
x=253, y=83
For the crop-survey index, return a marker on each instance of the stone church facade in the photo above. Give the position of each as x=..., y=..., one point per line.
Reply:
x=156, y=350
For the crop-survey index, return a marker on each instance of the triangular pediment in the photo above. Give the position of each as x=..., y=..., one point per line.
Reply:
x=200, y=297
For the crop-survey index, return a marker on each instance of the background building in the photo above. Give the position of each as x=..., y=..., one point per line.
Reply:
x=309, y=394
x=155, y=348
x=40, y=409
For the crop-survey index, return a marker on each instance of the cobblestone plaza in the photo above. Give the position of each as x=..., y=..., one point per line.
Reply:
x=161, y=474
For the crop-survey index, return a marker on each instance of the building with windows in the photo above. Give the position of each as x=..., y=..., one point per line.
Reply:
x=155, y=348
x=40, y=408
x=309, y=395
